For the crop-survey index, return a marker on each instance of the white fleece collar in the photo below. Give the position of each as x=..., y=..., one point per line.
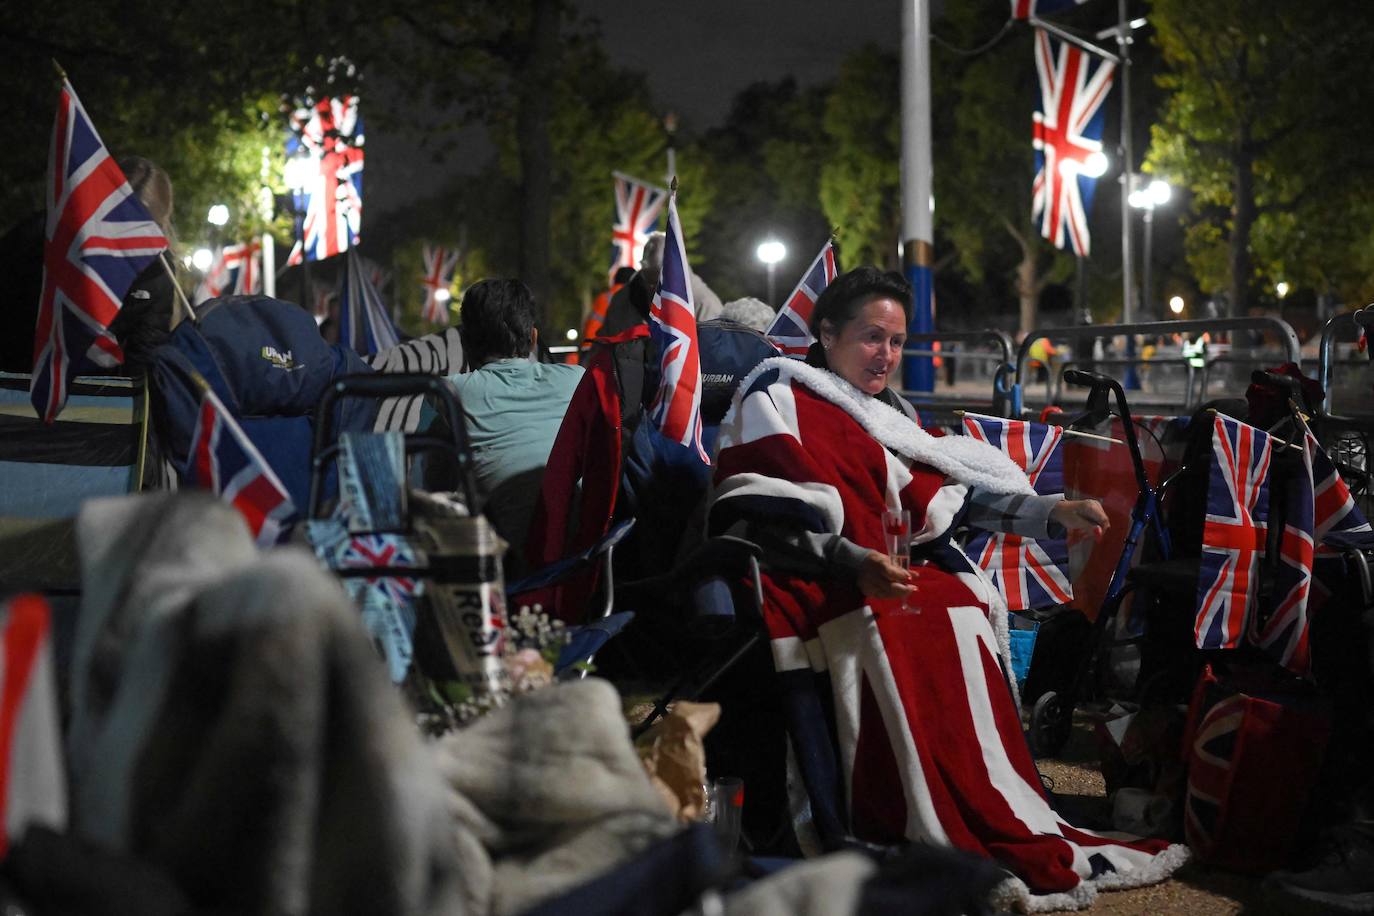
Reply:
x=964, y=458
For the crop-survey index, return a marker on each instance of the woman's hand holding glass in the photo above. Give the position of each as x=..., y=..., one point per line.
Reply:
x=888, y=575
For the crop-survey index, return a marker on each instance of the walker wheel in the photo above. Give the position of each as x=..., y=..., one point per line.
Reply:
x=1049, y=724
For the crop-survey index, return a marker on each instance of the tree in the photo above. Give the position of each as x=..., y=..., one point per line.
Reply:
x=860, y=181
x=1264, y=123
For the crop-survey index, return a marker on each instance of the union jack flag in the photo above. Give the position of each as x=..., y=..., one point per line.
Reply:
x=677, y=405
x=1025, y=9
x=438, y=275
x=1030, y=573
x=328, y=139
x=1209, y=770
x=790, y=331
x=1335, y=512
x=1285, y=632
x=224, y=461
x=1066, y=130
x=384, y=551
x=99, y=238
x=237, y=271
x=364, y=325
x=637, y=205
x=1233, y=533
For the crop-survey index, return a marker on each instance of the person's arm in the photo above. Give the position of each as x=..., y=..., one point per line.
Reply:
x=1033, y=515
x=830, y=556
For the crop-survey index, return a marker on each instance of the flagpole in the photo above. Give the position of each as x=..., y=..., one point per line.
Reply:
x=180, y=297
x=918, y=372
x=1123, y=42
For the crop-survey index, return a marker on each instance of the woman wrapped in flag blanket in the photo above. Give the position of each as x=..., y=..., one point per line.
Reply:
x=924, y=742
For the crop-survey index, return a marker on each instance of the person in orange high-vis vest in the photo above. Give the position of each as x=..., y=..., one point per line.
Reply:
x=597, y=316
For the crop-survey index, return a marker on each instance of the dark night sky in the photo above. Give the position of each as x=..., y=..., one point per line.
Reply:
x=696, y=56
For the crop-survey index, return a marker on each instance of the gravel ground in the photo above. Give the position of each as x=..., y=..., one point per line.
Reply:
x=1194, y=890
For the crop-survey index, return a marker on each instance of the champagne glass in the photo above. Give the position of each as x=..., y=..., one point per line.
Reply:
x=897, y=538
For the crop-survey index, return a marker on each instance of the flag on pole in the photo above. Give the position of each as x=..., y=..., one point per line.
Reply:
x=33, y=784
x=637, y=206
x=1029, y=572
x=1066, y=132
x=1025, y=9
x=223, y=460
x=364, y=325
x=98, y=239
x=237, y=271
x=438, y=266
x=790, y=331
x=676, y=409
x=326, y=141
x=1233, y=533
x=1285, y=632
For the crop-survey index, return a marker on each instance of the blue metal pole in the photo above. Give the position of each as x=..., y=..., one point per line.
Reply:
x=918, y=210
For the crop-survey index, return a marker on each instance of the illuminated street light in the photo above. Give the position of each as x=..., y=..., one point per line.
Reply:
x=1281, y=288
x=1146, y=197
x=1176, y=304
x=770, y=252
x=218, y=215
x=442, y=295
x=572, y=334
x=1096, y=164
x=202, y=258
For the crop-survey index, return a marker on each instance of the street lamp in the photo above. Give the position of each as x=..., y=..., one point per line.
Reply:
x=1281, y=288
x=218, y=215
x=1146, y=197
x=202, y=258
x=1176, y=304
x=770, y=252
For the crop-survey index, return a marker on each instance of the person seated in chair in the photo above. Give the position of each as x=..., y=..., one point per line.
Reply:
x=903, y=724
x=512, y=404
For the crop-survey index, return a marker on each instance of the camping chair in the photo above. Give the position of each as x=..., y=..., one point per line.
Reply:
x=99, y=446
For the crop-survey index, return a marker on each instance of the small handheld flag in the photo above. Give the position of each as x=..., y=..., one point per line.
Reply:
x=223, y=460
x=676, y=409
x=790, y=330
x=99, y=238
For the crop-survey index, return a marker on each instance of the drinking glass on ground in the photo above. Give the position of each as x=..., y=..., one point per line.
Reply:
x=727, y=806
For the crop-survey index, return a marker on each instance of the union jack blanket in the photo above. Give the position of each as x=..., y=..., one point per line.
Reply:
x=902, y=726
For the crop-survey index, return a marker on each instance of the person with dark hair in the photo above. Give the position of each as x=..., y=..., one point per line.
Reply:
x=513, y=404
x=884, y=634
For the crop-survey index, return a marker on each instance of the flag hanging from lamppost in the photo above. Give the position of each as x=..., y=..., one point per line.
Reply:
x=326, y=144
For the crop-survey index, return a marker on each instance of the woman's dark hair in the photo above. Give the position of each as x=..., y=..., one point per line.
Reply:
x=841, y=301
x=497, y=320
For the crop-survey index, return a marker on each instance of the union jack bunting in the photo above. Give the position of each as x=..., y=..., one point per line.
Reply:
x=676, y=409
x=1334, y=512
x=364, y=325
x=1066, y=130
x=438, y=276
x=1285, y=631
x=1233, y=533
x=1025, y=9
x=98, y=239
x=328, y=139
x=1030, y=573
x=790, y=331
x=637, y=206
x=223, y=460
x=237, y=271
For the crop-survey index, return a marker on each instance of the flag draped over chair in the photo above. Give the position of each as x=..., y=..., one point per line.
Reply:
x=1030, y=573
x=1067, y=130
x=98, y=239
x=790, y=331
x=676, y=409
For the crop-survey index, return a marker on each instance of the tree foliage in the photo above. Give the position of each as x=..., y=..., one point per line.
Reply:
x=1263, y=124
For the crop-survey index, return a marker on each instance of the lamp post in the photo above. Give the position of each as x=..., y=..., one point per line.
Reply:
x=299, y=174
x=1145, y=198
x=1176, y=305
x=770, y=252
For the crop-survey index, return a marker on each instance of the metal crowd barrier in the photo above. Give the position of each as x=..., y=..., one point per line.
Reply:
x=1288, y=339
x=1327, y=360
x=1000, y=341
